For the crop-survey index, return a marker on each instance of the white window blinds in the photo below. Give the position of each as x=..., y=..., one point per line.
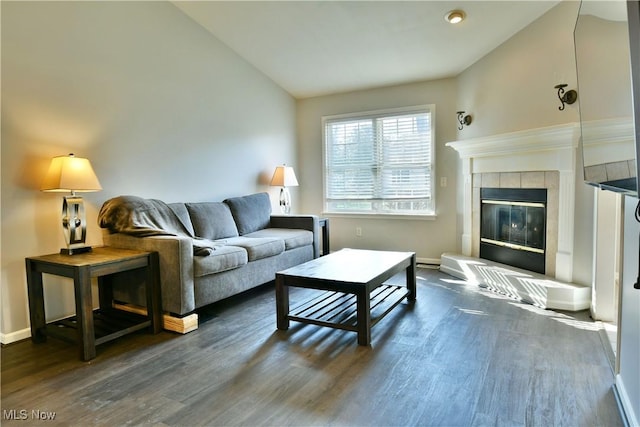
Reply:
x=380, y=162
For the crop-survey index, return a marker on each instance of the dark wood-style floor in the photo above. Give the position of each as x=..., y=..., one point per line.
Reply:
x=459, y=356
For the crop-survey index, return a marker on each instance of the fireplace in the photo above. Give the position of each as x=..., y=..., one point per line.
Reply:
x=513, y=226
x=540, y=159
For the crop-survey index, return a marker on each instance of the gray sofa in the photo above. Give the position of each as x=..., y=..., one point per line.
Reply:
x=208, y=250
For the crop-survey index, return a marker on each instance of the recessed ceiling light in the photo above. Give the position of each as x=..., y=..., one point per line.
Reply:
x=454, y=17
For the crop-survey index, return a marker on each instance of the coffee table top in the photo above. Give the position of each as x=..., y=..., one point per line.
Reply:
x=350, y=266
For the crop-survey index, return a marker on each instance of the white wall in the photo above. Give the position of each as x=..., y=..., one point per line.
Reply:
x=512, y=89
x=606, y=269
x=160, y=107
x=428, y=238
x=628, y=379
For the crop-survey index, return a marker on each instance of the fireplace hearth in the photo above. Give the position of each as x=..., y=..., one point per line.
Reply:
x=513, y=226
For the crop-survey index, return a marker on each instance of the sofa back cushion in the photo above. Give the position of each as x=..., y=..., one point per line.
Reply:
x=251, y=213
x=212, y=220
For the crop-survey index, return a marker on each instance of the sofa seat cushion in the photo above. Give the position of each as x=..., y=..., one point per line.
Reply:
x=223, y=258
x=212, y=220
x=257, y=247
x=293, y=238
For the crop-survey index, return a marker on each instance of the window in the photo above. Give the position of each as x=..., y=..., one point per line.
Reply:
x=380, y=162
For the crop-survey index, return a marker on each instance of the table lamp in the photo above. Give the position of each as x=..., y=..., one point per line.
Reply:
x=284, y=177
x=73, y=174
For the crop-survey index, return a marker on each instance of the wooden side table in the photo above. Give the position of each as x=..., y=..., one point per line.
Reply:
x=88, y=327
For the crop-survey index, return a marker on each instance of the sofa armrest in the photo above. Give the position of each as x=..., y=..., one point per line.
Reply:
x=176, y=266
x=304, y=222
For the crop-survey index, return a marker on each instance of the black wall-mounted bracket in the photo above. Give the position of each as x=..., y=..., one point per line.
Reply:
x=463, y=120
x=568, y=97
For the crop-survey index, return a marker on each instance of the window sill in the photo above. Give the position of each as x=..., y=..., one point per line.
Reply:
x=361, y=215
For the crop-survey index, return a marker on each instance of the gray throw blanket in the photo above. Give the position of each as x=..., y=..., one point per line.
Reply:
x=148, y=217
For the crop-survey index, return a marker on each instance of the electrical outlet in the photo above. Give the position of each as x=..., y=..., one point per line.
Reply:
x=443, y=181
x=358, y=231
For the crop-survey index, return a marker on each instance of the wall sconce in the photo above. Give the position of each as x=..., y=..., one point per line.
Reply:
x=463, y=120
x=566, y=98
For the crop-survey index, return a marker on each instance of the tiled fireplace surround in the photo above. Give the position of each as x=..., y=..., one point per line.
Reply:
x=535, y=158
x=546, y=179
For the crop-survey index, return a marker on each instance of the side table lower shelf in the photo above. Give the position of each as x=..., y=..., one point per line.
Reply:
x=107, y=324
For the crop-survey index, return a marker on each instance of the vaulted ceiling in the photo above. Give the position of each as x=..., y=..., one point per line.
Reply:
x=313, y=48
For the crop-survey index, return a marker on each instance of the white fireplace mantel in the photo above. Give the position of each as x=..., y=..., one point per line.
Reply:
x=550, y=148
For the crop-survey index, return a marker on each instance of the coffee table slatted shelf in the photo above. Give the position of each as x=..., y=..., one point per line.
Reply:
x=339, y=310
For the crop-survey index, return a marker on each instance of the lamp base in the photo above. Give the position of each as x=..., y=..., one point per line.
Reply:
x=285, y=201
x=74, y=226
x=75, y=251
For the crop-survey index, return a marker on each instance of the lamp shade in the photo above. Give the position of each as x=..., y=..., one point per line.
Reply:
x=284, y=176
x=70, y=173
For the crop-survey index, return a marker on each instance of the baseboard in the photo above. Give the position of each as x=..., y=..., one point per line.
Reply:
x=12, y=337
x=607, y=346
x=428, y=261
x=629, y=417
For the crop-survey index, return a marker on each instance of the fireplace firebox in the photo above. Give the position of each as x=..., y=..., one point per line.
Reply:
x=513, y=226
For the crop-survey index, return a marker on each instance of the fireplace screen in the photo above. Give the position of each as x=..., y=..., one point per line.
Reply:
x=512, y=229
x=519, y=225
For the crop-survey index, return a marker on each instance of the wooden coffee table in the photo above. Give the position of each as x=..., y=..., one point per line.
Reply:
x=356, y=296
